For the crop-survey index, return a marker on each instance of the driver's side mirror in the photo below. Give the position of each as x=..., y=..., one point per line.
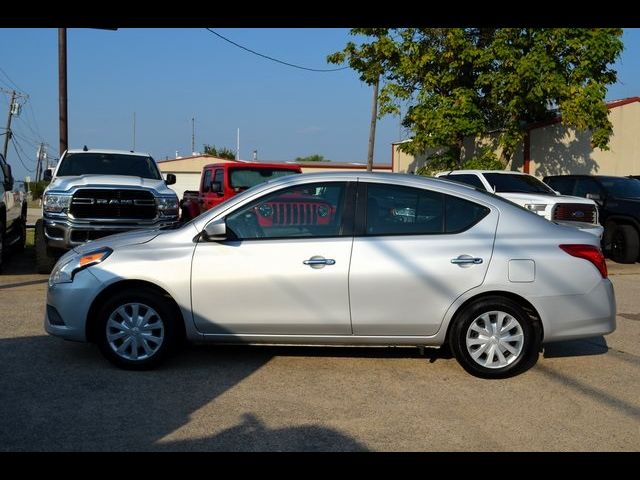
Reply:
x=596, y=197
x=215, y=231
x=171, y=179
x=47, y=175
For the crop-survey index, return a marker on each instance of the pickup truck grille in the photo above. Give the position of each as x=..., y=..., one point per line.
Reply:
x=575, y=212
x=113, y=204
x=298, y=213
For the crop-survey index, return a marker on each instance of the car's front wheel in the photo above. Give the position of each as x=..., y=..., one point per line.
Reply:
x=495, y=338
x=136, y=330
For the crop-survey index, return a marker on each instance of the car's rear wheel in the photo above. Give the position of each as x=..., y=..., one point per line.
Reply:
x=136, y=330
x=495, y=338
x=624, y=244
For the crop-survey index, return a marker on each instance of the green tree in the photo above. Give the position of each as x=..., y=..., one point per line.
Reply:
x=312, y=158
x=222, y=152
x=459, y=82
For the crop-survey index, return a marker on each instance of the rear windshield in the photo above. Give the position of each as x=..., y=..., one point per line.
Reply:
x=91, y=163
x=506, y=183
x=249, y=177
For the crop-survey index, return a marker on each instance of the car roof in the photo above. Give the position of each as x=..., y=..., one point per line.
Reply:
x=114, y=152
x=584, y=176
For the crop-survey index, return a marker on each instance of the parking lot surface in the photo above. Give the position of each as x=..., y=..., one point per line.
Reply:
x=61, y=396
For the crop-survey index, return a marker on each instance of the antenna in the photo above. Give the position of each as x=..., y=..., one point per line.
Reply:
x=238, y=145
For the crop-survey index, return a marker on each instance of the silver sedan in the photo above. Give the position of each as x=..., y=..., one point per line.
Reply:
x=341, y=259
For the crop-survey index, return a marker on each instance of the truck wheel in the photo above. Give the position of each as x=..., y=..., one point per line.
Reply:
x=624, y=244
x=44, y=261
x=1, y=243
x=22, y=235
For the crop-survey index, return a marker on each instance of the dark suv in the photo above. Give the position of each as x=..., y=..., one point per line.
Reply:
x=618, y=200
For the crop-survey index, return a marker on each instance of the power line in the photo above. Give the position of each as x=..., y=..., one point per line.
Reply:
x=15, y=147
x=275, y=59
x=9, y=78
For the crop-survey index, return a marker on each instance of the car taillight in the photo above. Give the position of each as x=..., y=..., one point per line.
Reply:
x=588, y=252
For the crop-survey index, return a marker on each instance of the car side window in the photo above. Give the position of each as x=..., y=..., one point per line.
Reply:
x=586, y=185
x=218, y=177
x=399, y=210
x=309, y=210
x=206, y=181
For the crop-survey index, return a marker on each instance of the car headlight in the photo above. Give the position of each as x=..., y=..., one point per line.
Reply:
x=64, y=271
x=55, y=203
x=168, y=206
x=538, y=208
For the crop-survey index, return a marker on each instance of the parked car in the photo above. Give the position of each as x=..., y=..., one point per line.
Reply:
x=94, y=193
x=531, y=193
x=221, y=181
x=404, y=260
x=13, y=211
x=619, y=204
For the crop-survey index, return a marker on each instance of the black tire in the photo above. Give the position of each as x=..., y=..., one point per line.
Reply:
x=515, y=363
x=165, y=315
x=44, y=260
x=625, y=244
x=22, y=235
x=2, y=247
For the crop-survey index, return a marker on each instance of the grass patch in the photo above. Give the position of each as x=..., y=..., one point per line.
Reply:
x=31, y=237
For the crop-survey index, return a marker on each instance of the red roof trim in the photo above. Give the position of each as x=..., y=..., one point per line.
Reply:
x=558, y=119
x=195, y=156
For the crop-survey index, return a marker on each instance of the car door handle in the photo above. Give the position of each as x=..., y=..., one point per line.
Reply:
x=315, y=261
x=466, y=260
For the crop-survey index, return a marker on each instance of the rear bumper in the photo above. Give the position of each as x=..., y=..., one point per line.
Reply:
x=569, y=317
x=64, y=234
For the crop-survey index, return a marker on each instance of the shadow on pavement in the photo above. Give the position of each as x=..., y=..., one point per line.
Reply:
x=76, y=401
x=20, y=263
x=253, y=436
x=576, y=348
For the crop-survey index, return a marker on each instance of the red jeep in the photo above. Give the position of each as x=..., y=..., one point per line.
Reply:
x=221, y=181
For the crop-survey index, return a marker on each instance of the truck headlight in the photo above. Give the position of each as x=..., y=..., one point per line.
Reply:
x=168, y=206
x=55, y=203
x=538, y=208
x=64, y=272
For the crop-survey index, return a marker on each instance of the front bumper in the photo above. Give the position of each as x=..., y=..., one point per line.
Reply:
x=65, y=234
x=68, y=306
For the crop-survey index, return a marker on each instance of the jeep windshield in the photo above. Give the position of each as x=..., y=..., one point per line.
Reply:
x=507, y=183
x=243, y=178
x=92, y=163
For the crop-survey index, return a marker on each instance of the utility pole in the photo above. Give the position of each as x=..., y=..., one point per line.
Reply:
x=134, y=131
x=238, y=145
x=62, y=88
x=193, y=135
x=7, y=135
x=372, y=130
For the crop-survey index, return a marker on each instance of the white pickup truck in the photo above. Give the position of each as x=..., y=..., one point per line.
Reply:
x=531, y=193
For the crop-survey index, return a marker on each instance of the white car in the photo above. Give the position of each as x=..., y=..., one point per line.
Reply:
x=531, y=193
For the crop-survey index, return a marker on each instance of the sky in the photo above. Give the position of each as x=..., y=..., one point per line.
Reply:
x=169, y=76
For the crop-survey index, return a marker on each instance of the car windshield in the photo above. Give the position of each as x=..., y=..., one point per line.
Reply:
x=248, y=177
x=92, y=163
x=621, y=187
x=514, y=183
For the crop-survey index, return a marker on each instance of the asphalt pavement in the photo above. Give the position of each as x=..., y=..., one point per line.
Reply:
x=63, y=396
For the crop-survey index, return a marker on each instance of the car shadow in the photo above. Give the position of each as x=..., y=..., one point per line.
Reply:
x=576, y=348
x=63, y=396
